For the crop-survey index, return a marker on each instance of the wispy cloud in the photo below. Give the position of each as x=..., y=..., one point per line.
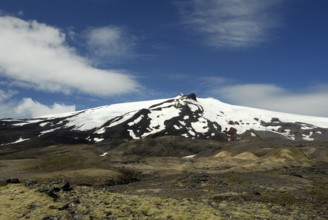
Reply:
x=310, y=101
x=232, y=23
x=37, y=55
x=111, y=42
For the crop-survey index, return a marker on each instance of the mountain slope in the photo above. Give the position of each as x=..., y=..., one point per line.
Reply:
x=184, y=115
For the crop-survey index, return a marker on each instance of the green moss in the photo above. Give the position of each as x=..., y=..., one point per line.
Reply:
x=19, y=201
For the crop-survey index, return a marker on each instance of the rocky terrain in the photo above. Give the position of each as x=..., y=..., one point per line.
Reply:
x=166, y=177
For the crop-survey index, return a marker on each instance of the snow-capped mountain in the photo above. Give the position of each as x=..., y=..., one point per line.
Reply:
x=184, y=115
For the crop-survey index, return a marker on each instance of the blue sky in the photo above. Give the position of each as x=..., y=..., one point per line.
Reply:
x=58, y=56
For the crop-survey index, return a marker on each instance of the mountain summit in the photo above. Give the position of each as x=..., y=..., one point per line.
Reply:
x=185, y=115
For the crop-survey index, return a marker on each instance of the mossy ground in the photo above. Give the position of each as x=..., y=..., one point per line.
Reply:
x=20, y=202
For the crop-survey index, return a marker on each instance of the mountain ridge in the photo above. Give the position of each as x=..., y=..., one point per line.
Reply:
x=185, y=115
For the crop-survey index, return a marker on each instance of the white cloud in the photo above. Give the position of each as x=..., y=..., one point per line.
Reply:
x=232, y=23
x=110, y=42
x=312, y=101
x=28, y=108
x=36, y=55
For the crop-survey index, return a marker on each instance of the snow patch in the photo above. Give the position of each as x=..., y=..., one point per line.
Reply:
x=100, y=131
x=159, y=117
x=201, y=126
x=176, y=127
x=193, y=108
x=272, y=128
x=98, y=139
x=104, y=154
x=132, y=134
x=308, y=137
x=20, y=140
x=189, y=156
x=44, y=124
x=48, y=131
x=192, y=133
x=182, y=123
x=135, y=121
x=32, y=121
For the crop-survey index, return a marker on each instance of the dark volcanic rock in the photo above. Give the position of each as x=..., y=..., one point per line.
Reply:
x=192, y=96
x=67, y=187
x=12, y=181
x=53, y=192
